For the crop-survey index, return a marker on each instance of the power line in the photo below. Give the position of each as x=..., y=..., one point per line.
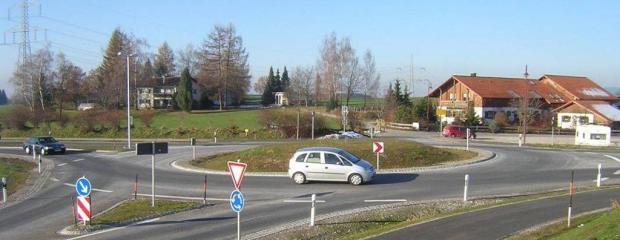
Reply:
x=84, y=51
x=73, y=25
x=74, y=36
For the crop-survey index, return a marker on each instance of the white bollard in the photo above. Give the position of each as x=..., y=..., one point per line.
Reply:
x=312, y=210
x=467, y=136
x=4, y=193
x=520, y=140
x=569, y=215
x=40, y=161
x=465, y=188
x=598, y=176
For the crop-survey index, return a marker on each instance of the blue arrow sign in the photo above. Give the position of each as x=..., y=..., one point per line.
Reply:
x=236, y=201
x=82, y=187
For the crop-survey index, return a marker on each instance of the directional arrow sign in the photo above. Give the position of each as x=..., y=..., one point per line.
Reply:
x=377, y=147
x=82, y=187
x=236, y=170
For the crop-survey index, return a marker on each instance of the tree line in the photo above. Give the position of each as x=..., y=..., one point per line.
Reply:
x=219, y=65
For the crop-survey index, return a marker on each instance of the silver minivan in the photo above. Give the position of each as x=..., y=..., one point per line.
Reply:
x=329, y=164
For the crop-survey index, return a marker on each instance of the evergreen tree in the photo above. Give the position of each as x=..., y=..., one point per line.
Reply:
x=278, y=82
x=164, y=61
x=183, y=96
x=286, y=82
x=471, y=119
x=268, y=97
x=3, y=97
x=148, y=74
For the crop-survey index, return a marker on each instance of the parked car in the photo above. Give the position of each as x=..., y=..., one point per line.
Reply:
x=47, y=144
x=329, y=164
x=458, y=131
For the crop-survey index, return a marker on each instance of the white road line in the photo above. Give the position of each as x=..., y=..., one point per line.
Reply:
x=617, y=172
x=54, y=179
x=612, y=157
x=94, y=189
x=114, y=229
x=386, y=200
x=602, y=179
x=77, y=160
x=10, y=147
x=62, y=164
x=303, y=201
x=183, y=197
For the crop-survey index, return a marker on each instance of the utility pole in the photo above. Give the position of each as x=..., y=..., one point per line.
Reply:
x=412, y=78
x=525, y=104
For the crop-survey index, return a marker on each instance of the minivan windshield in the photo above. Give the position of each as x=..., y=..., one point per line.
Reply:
x=350, y=157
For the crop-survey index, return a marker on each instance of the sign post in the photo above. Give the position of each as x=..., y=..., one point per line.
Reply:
x=465, y=188
x=237, y=201
x=193, y=143
x=4, y=194
x=378, y=147
x=83, y=189
x=467, y=141
x=312, y=125
x=570, y=193
x=152, y=148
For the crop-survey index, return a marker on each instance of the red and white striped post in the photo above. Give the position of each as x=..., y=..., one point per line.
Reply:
x=83, y=209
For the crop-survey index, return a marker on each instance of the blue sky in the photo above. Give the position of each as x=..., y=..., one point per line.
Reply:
x=492, y=38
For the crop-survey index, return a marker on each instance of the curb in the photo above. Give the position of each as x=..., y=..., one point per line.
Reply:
x=483, y=155
x=34, y=182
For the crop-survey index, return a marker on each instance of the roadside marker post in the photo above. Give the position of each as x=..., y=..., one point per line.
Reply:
x=467, y=141
x=312, y=210
x=552, y=130
x=204, y=196
x=465, y=188
x=520, y=139
x=237, y=201
x=570, y=193
x=40, y=160
x=378, y=147
x=313, y=125
x=598, y=176
x=4, y=193
x=192, y=142
x=135, y=188
x=313, y=201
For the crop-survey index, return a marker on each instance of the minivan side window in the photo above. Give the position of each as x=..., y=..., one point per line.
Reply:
x=332, y=159
x=345, y=161
x=314, y=157
x=301, y=157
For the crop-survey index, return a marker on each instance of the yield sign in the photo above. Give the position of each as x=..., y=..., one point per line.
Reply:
x=377, y=147
x=236, y=170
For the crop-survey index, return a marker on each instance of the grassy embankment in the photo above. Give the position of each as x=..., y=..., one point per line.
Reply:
x=398, y=154
x=16, y=172
x=602, y=225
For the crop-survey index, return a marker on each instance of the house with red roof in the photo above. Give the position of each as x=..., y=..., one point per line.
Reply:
x=575, y=100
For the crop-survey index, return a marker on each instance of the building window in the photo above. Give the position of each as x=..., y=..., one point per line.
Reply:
x=595, y=136
x=584, y=120
x=452, y=96
x=565, y=119
x=489, y=114
x=465, y=97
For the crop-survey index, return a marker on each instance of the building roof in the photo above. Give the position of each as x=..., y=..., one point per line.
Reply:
x=581, y=88
x=171, y=81
x=501, y=87
x=601, y=108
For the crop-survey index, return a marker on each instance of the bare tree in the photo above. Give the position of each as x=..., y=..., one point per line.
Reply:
x=369, y=76
x=260, y=84
x=328, y=68
x=164, y=61
x=302, y=81
x=349, y=70
x=67, y=84
x=188, y=58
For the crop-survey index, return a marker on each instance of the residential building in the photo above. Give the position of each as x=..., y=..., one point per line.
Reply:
x=160, y=96
x=577, y=98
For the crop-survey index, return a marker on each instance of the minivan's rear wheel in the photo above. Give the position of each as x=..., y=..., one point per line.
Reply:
x=355, y=179
x=299, y=178
x=27, y=149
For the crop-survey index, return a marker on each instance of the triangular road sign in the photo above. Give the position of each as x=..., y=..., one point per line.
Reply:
x=236, y=170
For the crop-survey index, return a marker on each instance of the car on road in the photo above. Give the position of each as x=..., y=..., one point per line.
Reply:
x=329, y=164
x=46, y=144
x=458, y=131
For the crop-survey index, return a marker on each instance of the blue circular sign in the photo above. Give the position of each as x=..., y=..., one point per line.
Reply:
x=82, y=187
x=237, y=201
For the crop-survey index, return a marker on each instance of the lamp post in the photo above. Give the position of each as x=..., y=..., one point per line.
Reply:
x=525, y=104
x=128, y=102
x=428, y=92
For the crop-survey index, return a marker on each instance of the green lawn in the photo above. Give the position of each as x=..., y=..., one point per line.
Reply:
x=398, y=154
x=16, y=171
x=605, y=225
x=141, y=208
x=208, y=119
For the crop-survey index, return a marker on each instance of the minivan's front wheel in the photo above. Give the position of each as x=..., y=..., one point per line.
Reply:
x=355, y=179
x=299, y=178
x=27, y=149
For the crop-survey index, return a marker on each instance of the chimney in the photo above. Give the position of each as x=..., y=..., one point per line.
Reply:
x=473, y=74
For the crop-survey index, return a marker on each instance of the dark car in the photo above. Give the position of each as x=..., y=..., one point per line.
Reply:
x=46, y=145
x=457, y=131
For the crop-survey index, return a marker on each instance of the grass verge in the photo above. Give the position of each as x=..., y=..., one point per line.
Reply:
x=140, y=209
x=572, y=146
x=16, y=172
x=600, y=225
x=373, y=221
x=398, y=154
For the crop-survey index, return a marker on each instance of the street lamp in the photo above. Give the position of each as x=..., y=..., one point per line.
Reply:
x=428, y=92
x=128, y=103
x=525, y=103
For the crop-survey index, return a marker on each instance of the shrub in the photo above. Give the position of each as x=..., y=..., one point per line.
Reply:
x=404, y=114
x=494, y=127
x=501, y=120
x=286, y=122
x=87, y=121
x=146, y=117
x=112, y=119
x=17, y=117
x=332, y=104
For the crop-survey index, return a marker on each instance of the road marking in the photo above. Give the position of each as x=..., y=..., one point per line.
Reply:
x=10, y=147
x=303, y=201
x=386, y=200
x=54, y=179
x=617, y=172
x=62, y=164
x=77, y=160
x=602, y=179
x=183, y=197
x=94, y=189
x=612, y=157
x=114, y=229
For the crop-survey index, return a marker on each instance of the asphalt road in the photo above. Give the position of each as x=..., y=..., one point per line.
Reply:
x=499, y=222
x=513, y=170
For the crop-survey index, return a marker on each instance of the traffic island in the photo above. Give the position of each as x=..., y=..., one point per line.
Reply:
x=16, y=172
x=398, y=154
x=129, y=212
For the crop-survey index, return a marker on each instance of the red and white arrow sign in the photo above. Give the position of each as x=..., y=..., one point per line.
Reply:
x=377, y=147
x=236, y=170
x=83, y=208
